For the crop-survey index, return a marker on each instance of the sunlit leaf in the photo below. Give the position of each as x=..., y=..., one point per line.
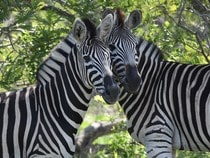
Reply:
x=173, y=8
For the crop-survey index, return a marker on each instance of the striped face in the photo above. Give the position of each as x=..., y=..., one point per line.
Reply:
x=96, y=64
x=122, y=44
x=124, y=58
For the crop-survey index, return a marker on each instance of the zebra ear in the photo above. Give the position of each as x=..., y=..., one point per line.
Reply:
x=79, y=30
x=105, y=27
x=134, y=19
x=106, y=12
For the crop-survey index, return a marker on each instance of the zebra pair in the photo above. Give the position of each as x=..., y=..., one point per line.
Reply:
x=148, y=120
x=171, y=109
x=42, y=121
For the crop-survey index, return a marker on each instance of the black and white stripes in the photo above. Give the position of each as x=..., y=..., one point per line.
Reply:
x=16, y=111
x=42, y=121
x=172, y=108
x=122, y=44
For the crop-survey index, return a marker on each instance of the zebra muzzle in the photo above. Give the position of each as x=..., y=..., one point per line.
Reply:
x=133, y=80
x=112, y=90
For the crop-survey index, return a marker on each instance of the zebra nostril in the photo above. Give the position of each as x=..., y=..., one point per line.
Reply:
x=107, y=92
x=126, y=80
x=132, y=81
x=112, y=90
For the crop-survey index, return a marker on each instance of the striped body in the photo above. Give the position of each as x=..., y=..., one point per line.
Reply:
x=171, y=110
x=54, y=125
x=42, y=121
x=18, y=109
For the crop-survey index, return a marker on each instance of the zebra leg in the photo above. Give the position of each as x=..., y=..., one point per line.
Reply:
x=158, y=137
x=158, y=141
x=159, y=150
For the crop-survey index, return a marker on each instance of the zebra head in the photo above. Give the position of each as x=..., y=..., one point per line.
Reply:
x=95, y=62
x=122, y=44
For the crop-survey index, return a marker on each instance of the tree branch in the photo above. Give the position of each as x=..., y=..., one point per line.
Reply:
x=200, y=10
x=97, y=129
x=58, y=11
x=199, y=7
x=201, y=47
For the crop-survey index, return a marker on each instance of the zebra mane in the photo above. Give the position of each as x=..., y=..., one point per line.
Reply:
x=91, y=28
x=154, y=54
x=120, y=17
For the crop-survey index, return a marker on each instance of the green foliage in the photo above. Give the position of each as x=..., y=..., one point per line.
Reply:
x=117, y=145
x=178, y=28
x=28, y=35
x=120, y=145
x=190, y=154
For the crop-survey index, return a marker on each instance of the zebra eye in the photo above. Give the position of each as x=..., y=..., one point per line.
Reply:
x=137, y=46
x=87, y=58
x=112, y=47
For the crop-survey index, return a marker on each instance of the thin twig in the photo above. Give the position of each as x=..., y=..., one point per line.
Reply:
x=201, y=47
x=181, y=11
x=58, y=11
x=10, y=39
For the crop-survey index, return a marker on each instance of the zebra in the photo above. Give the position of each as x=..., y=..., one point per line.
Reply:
x=42, y=120
x=120, y=40
x=171, y=109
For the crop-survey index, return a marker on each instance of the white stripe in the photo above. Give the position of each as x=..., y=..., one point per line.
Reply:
x=4, y=130
x=49, y=71
x=198, y=108
x=46, y=145
x=30, y=148
x=53, y=65
x=64, y=46
x=44, y=75
x=28, y=121
x=143, y=46
x=67, y=138
x=16, y=126
x=58, y=57
x=81, y=112
x=207, y=115
x=81, y=88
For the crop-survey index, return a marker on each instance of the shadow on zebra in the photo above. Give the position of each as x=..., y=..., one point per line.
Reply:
x=42, y=121
x=171, y=108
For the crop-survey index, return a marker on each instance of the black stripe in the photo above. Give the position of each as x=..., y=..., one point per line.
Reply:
x=11, y=123
x=70, y=44
x=2, y=107
x=23, y=119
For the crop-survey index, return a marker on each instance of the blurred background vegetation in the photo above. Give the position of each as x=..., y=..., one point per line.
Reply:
x=29, y=29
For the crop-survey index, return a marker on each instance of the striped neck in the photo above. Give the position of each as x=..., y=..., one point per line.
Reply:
x=59, y=81
x=148, y=50
x=149, y=65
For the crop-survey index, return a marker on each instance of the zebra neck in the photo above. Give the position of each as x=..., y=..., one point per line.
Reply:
x=148, y=55
x=61, y=92
x=148, y=50
x=151, y=73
